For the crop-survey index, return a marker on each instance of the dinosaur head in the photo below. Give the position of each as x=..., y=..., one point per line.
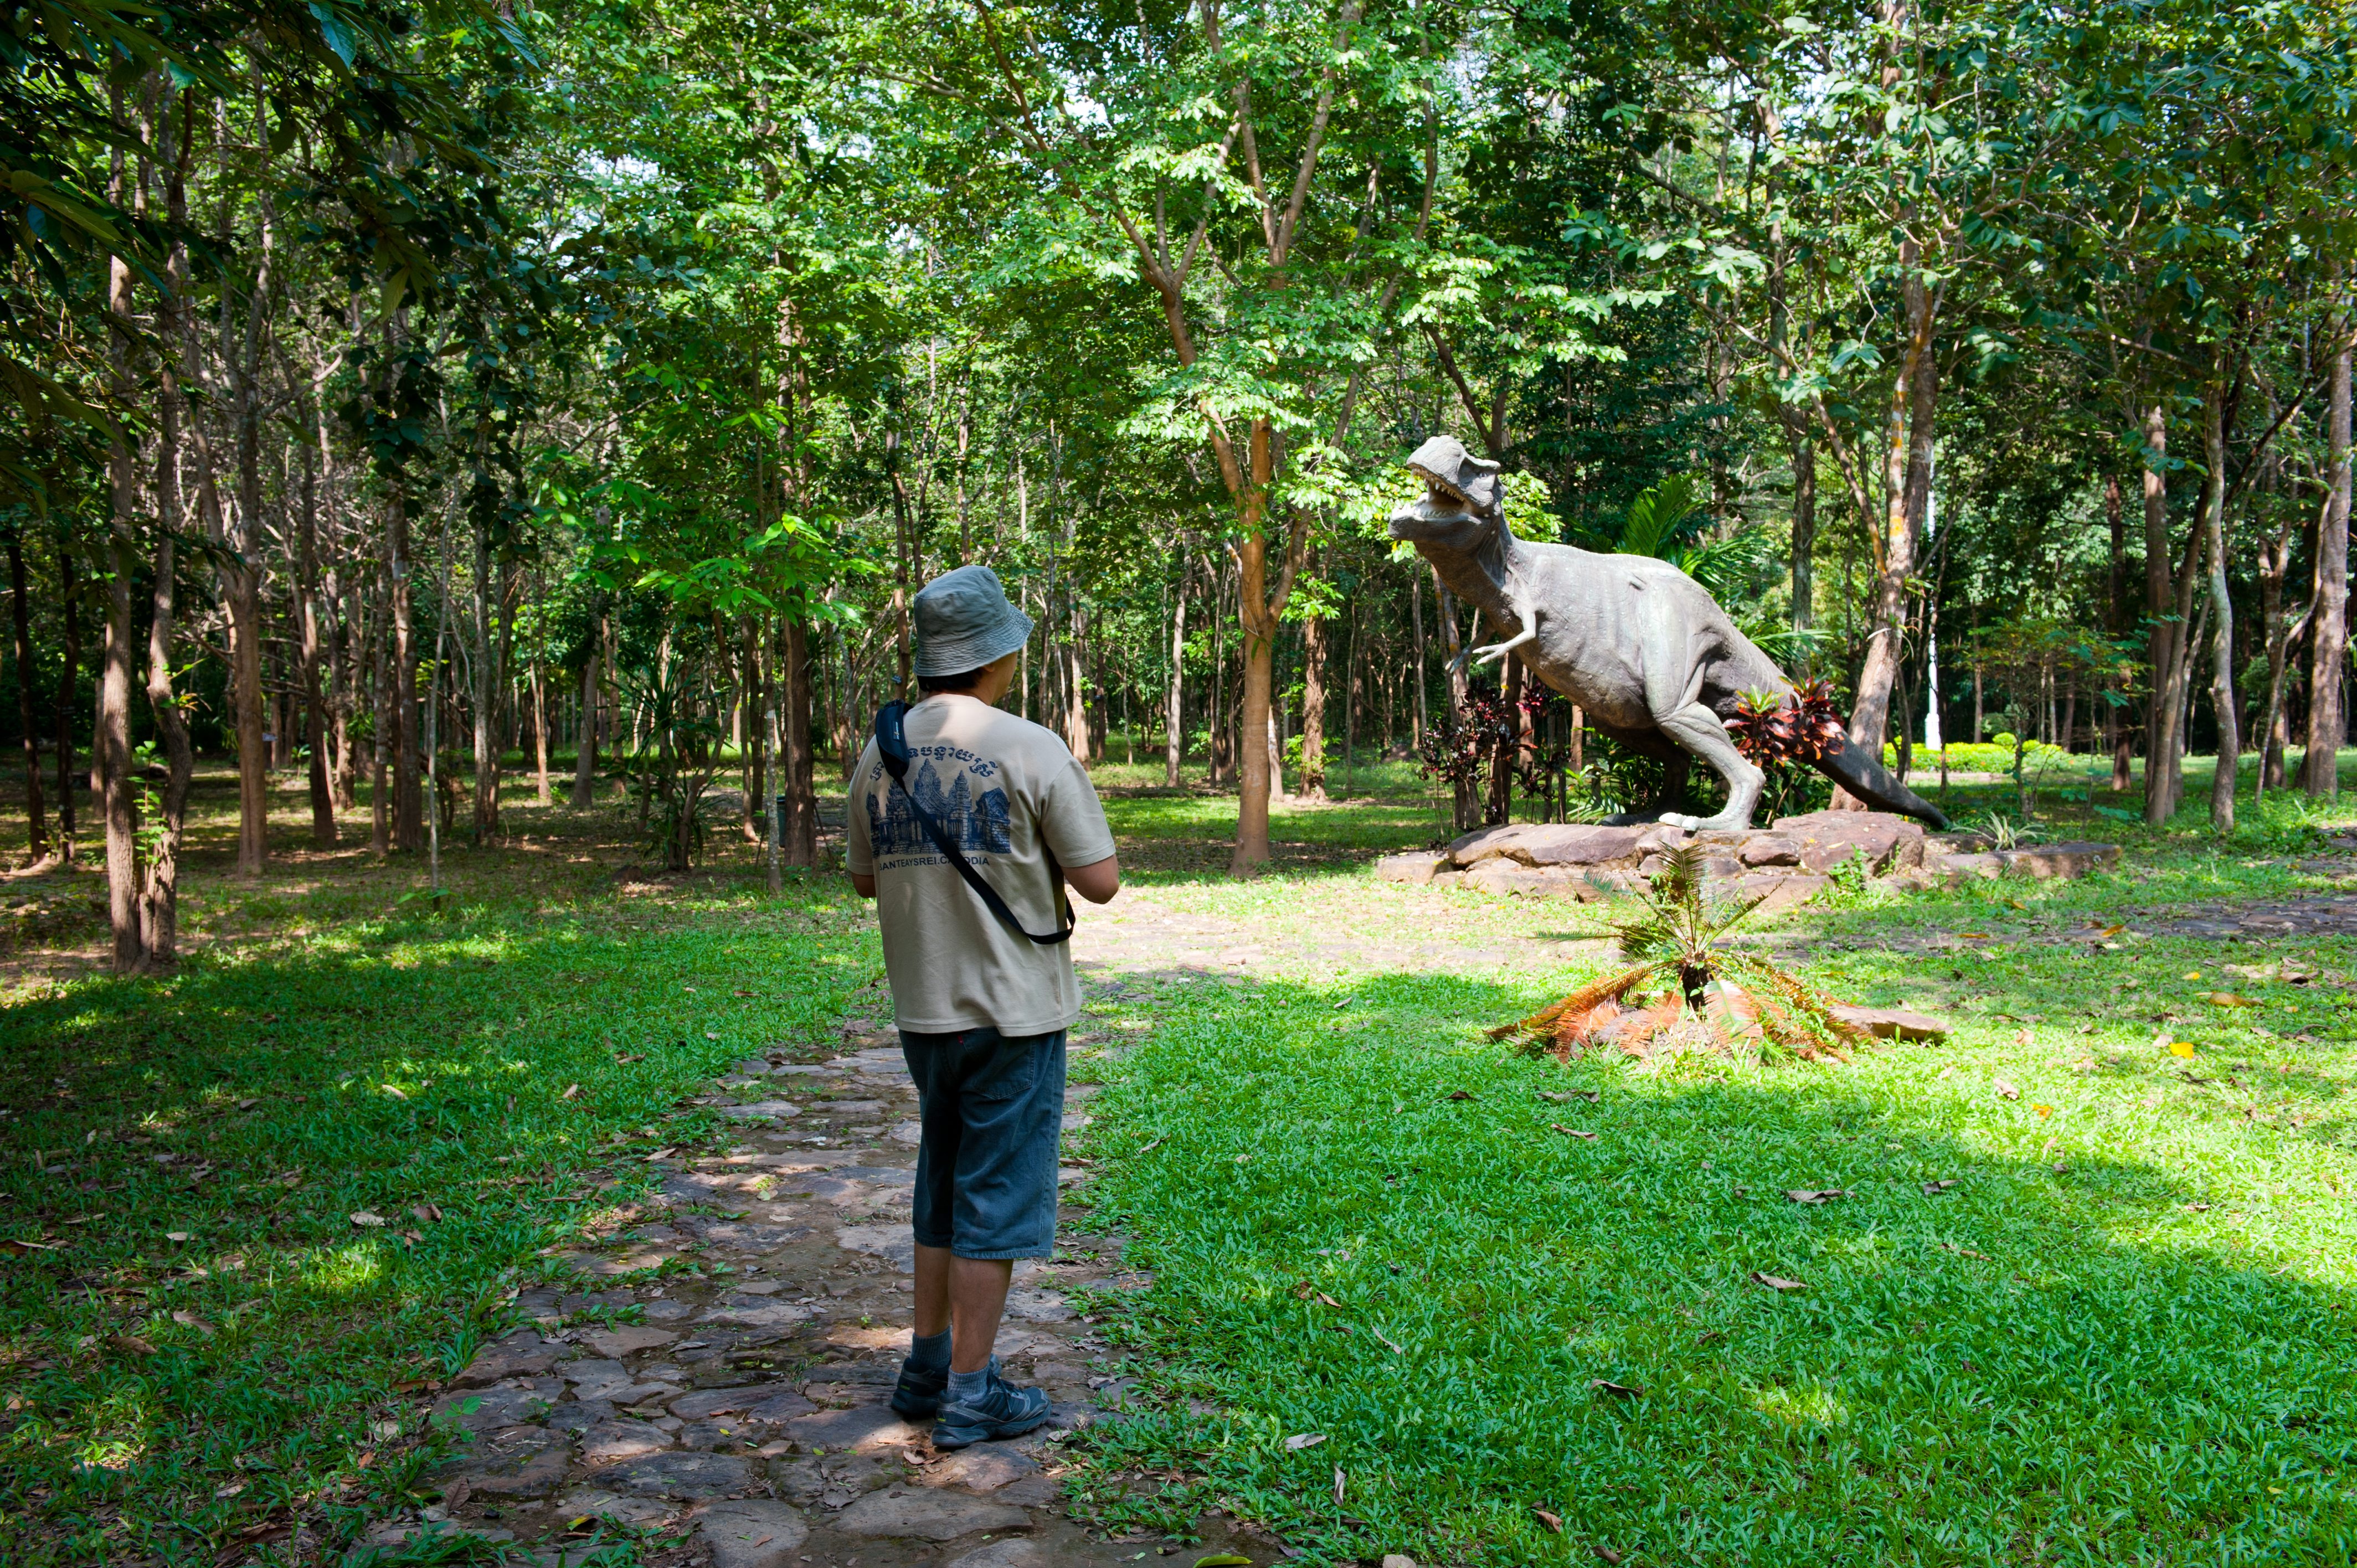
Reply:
x=1461, y=493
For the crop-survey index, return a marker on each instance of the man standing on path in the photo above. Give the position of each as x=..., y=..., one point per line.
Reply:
x=982, y=1006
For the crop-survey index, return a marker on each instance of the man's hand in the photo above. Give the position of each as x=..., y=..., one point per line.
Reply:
x=863, y=885
x=1097, y=881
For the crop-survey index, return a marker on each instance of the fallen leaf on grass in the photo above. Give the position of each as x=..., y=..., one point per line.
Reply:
x=131, y=1343
x=1572, y=1132
x=2228, y=999
x=1965, y=1251
x=247, y=1105
x=413, y=1237
x=630, y=1056
x=177, y=1235
x=392, y=1090
x=190, y=1320
x=1459, y=1095
x=2181, y=1047
x=660, y=1154
x=2198, y=1207
x=1608, y=1555
x=1772, y=1282
x=1812, y=1195
x=2006, y=1090
x=1933, y=1186
x=1554, y=1523
x=223, y=1494
x=1618, y=1390
x=1337, y=1486
x=425, y=1213
x=1386, y=1343
x=573, y=1092
x=1223, y=1559
x=2192, y=975
x=366, y=1220
x=1707, y=1335
x=1301, y=1440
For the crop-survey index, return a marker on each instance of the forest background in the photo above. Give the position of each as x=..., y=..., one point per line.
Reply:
x=394, y=386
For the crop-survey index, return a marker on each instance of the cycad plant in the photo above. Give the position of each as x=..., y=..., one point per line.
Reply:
x=1685, y=988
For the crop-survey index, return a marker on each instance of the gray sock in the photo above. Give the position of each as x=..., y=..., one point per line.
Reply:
x=971, y=1385
x=932, y=1353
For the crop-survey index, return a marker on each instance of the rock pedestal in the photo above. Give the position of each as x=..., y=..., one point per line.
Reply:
x=1785, y=863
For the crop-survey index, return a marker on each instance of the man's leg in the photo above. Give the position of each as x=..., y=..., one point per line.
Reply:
x=934, y=1065
x=966, y=1296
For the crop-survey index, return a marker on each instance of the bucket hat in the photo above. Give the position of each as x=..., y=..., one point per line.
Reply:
x=963, y=622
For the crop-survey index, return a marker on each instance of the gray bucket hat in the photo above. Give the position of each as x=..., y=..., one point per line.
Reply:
x=964, y=622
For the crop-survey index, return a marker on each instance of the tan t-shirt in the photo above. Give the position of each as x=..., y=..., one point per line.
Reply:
x=1000, y=785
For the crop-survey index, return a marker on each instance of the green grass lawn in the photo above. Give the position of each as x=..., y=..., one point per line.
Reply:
x=2124, y=1335
x=2032, y=1364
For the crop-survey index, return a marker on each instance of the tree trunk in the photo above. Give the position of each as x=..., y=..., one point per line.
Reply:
x=585, y=760
x=2163, y=773
x=2222, y=661
x=1804, y=535
x=1313, y=703
x=486, y=685
x=1465, y=808
x=2328, y=635
x=749, y=710
x=1173, y=740
x=2116, y=620
x=400, y=695
x=541, y=796
x=68, y=685
x=159, y=893
x=111, y=741
x=306, y=606
x=1907, y=472
x=799, y=763
x=36, y=816
x=380, y=728
x=1259, y=629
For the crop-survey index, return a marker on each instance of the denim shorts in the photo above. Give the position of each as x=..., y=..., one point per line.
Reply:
x=991, y=1106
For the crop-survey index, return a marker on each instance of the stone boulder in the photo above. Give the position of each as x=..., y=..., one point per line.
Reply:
x=1502, y=875
x=1824, y=840
x=1414, y=868
x=2049, y=862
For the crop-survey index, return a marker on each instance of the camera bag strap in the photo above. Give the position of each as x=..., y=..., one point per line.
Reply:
x=892, y=747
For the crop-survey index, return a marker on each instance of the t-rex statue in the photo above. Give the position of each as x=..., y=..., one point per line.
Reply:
x=1650, y=658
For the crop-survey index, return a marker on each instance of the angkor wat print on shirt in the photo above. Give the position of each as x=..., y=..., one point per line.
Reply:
x=972, y=810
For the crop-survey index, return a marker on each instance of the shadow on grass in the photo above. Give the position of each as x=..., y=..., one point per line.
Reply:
x=2034, y=1363
x=256, y=1198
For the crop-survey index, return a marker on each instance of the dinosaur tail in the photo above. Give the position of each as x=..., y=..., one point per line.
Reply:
x=1866, y=777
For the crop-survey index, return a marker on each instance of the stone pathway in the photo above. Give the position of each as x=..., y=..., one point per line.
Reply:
x=743, y=1416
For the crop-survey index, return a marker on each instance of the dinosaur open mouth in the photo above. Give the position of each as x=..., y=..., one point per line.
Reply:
x=1439, y=495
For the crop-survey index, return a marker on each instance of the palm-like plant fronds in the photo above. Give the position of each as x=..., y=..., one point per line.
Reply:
x=1674, y=942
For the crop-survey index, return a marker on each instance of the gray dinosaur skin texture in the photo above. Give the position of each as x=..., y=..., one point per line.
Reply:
x=1650, y=658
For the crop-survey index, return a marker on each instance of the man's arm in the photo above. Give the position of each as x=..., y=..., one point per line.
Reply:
x=1096, y=882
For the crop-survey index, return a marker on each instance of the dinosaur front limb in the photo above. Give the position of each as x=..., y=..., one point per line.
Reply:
x=1495, y=650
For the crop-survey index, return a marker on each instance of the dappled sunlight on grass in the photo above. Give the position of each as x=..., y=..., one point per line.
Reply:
x=2055, y=1346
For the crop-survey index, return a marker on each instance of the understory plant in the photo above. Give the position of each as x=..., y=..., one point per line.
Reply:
x=1685, y=988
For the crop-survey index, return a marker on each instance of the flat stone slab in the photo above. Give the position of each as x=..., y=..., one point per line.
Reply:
x=497, y=1407
x=522, y=1462
x=1414, y=868
x=627, y=1340
x=597, y=1503
x=679, y=1473
x=895, y=1242
x=863, y=1427
x=751, y=1534
x=1824, y=840
x=612, y=1442
x=927, y=1515
x=761, y=1111
x=520, y=1354
x=984, y=1467
x=1014, y=1552
x=707, y=1402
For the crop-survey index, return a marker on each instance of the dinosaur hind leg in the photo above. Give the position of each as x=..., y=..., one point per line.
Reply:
x=1698, y=729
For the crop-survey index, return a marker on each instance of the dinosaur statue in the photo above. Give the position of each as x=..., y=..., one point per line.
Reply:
x=1650, y=658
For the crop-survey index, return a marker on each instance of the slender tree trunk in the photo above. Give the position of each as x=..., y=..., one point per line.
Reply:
x=1173, y=740
x=111, y=741
x=381, y=743
x=1258, y=625
x=2221, y=663
x=2118, y=620
x=1803, y=453
x=1907, y=469
x=585, y=760
x=486, y=685
x=542, y=795
x=1313, y=702
x=159, y=896
x=2328, y=636
x=68, y=685
x=36, y=815
x=307, y=602
x=2163, y=775
x=801, y=790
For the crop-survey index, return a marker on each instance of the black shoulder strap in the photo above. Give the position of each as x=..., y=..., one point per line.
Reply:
x=892, y=749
